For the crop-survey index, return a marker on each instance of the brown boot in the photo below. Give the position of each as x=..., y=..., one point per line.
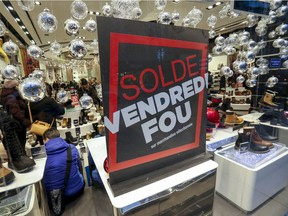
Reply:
x=267, y=99
x=232, y=118
x=255, y=138
x=6, y=175
x=64, y=123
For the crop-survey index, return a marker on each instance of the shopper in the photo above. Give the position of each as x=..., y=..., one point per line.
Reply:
x=56, y=164
x=86, y=88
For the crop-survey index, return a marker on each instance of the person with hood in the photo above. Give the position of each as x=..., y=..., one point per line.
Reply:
x=55, y=168
x=86, y=88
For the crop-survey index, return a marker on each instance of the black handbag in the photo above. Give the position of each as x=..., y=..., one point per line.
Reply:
x=56, y=197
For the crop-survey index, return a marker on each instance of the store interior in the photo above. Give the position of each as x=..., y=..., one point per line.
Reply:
x=53, y=49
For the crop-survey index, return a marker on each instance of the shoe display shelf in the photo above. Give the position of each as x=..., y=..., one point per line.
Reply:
x=216, y=80
x=249, y=179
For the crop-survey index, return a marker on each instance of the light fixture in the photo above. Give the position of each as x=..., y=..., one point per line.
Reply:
x=48, y=42
x=37, y=3
x=218, y=3
x=91, y=12
x=23, y=27
x=17, y=19
x=26, y=32
x=10, y=8
x=210, y=7
x=97, y=13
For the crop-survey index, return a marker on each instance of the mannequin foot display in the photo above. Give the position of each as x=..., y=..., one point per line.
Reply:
x=267, y=99
x=232, y=118
x=64, y=122
x=6, y=175
x=255, y=138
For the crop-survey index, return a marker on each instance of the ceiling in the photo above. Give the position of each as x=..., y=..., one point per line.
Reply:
x=61, y=9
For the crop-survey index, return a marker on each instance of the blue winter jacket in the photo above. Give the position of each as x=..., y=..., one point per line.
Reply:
x=55, y=169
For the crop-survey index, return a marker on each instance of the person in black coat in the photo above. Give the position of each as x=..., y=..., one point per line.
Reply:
x=86, y=88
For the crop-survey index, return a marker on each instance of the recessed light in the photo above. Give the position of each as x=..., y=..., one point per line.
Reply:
x=10, y=8
x=27, y=32
x=48, y=42
x=23, y=27
x=91, y=12
x=218, y=3
x=37, y=3
x=17, y=19
x=97, y=13
x=210, y=7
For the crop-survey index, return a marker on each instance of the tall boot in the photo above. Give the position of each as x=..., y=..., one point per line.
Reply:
x=17, y=158
x=267, y=99
x=6, y=175
x=232, y=118
x=254, y=146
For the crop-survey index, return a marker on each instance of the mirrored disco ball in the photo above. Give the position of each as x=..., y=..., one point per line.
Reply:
x=273, y=80
x=272, y=34
x=242, y=66
x=79, y=9
x=62, y=96
x=10, y=48
x=229, y=50
x=225, y=71
x=281, y=29
x=77, y=48
x=264, y=69
x=212, y=34
x=46, y=21
x=272, y=17
x=254, y=71
x=123, y=9
x=91, y=25
x=274, y=4
x=219, y=40
x=27, y=5
x=282, y=11
x=211, y=20
x=283, y=52
x=10, y=72
x=175, y=16
x=262, y=44
x=252, y=20
x=251, y=44
x=107, y=10
x=86, y=101
x=38, y=74
x=55, y=48
x=34, y=51
x=2, y=28
x=230, y=73
x=95, y=46
x=160, y=4
x=243, y=40
x=278, y=43
x=262, y=61
x=195, y=15
x=164, y=18
x=136, y=13
x=250, y=57
x=32, y=89
x=209, y=57
x=71, y=27
x=217, y=50
x=261, y=30
x=285, y=64
x=240, y=79
x=233, y=39
x=186, y=22
x=250, y=83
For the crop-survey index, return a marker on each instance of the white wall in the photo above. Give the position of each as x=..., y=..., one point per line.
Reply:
x=216, y=60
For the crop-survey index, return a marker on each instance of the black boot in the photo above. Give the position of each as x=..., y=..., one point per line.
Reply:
x=95, y=127
x=69, y=123
x=70, y=139
x=80, y=120
x=263, y=133
x=281, y=118
x=226, y=105
x=242, y=138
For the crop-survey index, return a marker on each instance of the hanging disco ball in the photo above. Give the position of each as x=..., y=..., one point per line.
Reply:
x=212, y=34
x=10, y=48
x=10, y=72
x=195, y=15
x=278, y=43
x=261, y=30
x=91, y=25
x=79, y=9
x=230, y=74
x=38, y=74
x=283, y=52
x=272, y=17
x=211, y=20
x=71, y=27
x=46, y=21
x=254, y=71
x=274, y=4
x=77, y=48
x=242, y=67
x=62, y=96
x=217, y=50
x=225, y=71
x=240, y=79
x=251, y=44
x=262, y=61
x=27, y=5
x=32, y=89
x=250, y=83
x=229, y=50
x=55, y=48
x=175, y=16
x=164, y=18
x=273, y=80
x=233, y=39
x=285, y=64
x=2, y=28
x=95, y=46
x=124, y=9
x=252, y=20
x=86, y=102
x=243, y=40
x=186, y=22
x=219, y=40
x=262, y=44
x=282, y=11
x=107, y=10
x=250, y=57
x=160, y=4
x=34, y=51
x=264, y=69
x=272, y=34
x=281, y=29
x=136, y=13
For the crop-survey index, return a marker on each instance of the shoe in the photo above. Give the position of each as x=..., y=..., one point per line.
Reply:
x=22, y=164
x=6, y=175
x=69, y=137
x=84, y=120
x=226, y=104
x=267, y=116
x=267, y=99
x=242, y=138
x=64, y=122
x=80, y=121
x=232, y=118
x=264, y=134
x=255, y=138
x=253, y=146
x=281, y=118
x=234, y=101
x=69, y=123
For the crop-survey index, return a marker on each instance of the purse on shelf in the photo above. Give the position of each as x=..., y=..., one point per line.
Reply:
x=38, y=127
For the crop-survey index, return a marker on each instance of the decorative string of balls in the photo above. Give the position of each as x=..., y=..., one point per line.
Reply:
x=62, y=96
x=86, y=102
x=91, y=25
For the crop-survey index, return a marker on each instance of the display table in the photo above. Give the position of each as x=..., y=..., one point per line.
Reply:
x=97, y=148
x=249, y=179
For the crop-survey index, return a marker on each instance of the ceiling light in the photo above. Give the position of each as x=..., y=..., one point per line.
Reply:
x=23, y=27
x=210, y=7
x=48, y=42
x=97, y=13
x=37, y=3
x=27, y=32
x=91, y=12
x=17, y=19
x=10, y=8
x=218, y=3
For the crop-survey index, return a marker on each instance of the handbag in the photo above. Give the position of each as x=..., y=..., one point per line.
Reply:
x=38, y=127
x=56, y=196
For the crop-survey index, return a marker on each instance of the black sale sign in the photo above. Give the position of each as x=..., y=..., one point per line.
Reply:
x=154, y=82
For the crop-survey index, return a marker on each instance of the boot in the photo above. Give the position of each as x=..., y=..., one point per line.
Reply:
x=80, y=121
x=263, y=133
x=253, y=146
x=267, y=99
x=255, y=138
x=234, y=101
x=64, y=122
x=226, y=104
x=281, y=118
x=242, y=138
x=232, y=118
x=6, y=175
x=17, y=158
x=69, y=123
x=68, y=136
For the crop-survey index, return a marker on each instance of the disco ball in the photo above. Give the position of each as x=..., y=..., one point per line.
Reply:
x=91, y=25
x=27, y=5
x=219, y=40
x=86, y=102
x=160, y=4
x=195, y=15
x=71, y=27
x=124, y=9
x=262, y=62
x=38, y=74
x=229, y=50
x=32, y=89
x=262, y=44
x=278, y=43
x=211, y=20
x=136, y=13
x=225, y=71
x=2, y=28
x=212, y=33
x=175, y=16
x=77, y=48
x=264, y=69
x=95, y=46
x=165, y=18
x=250, y=83
x=254, y=71
x=230, y=73
x=273, y=80
x=243, y=40
x=240, y=79
x=250, y=57
x=10, y=48
x=272, y=34
x=282, y=11
x=242, y=66
x=274, y=4
x=55, y=48
x=281, y=29
x=283, y=52
x=46, y=21
x=272, y=17
x=79, y=9
x=62, y=96
x=217, y=50
x=107, y=10
x=251, y=44
x=10, y=72
x=34, y=51
x=285, y=64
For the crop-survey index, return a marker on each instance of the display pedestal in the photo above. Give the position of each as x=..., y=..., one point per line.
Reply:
x=247, y=186
x=196, y=183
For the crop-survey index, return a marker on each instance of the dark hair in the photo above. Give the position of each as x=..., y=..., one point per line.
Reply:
x=84, y=81
x=51, y=133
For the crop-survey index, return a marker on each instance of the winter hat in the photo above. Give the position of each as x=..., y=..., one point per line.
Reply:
x=10, y=83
